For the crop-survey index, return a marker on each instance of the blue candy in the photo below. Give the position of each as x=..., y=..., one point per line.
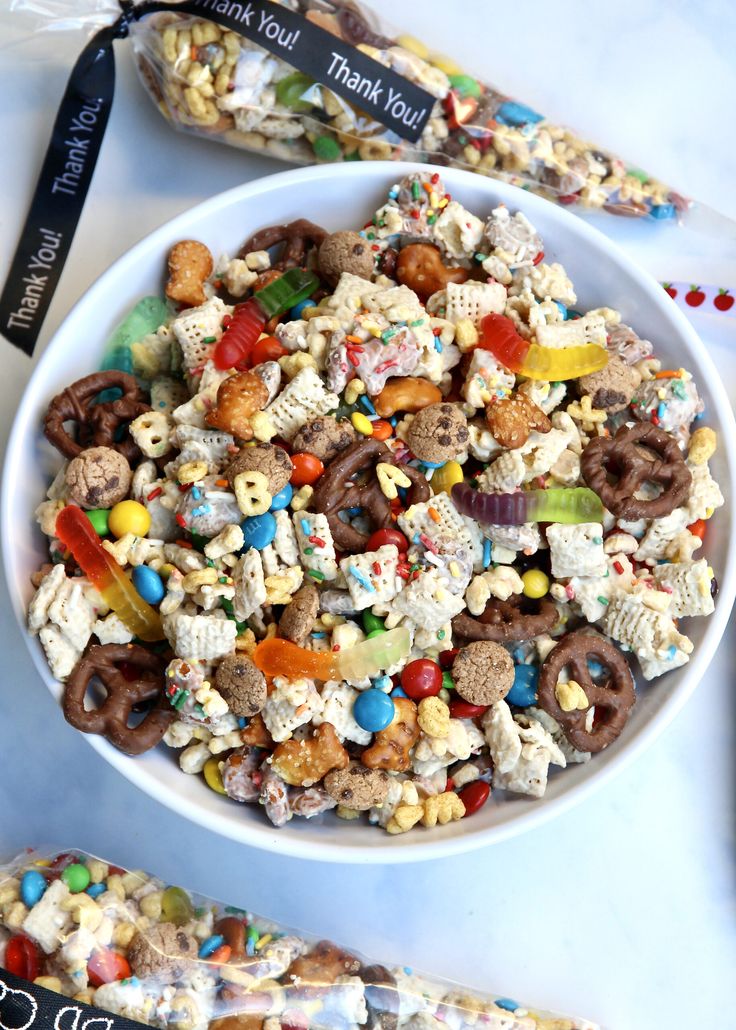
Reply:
x=524, y=691
x=373, y=710
x=398, y=692
x=563, y=309
x=95, y=889
x=296, y=311
x=663, y=211
x=507, y=1003
x=595, y=668
x=259, y=531
x=512, y=113
x=149, y=584
x=282, y=498
x=32, y=887
x=210, y=945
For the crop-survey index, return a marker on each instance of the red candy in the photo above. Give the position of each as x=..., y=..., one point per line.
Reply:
x=474, y=796
x=448, y=657
x=460, y=709
x=387, y=536
x=307, y=468
x=106, y=965
x=58, y=865
x=267, y=349
x=421, y=678
x=698, y=528
x=22, y=957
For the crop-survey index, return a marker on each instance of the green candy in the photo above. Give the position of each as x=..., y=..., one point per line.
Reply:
x=465, y=85
x=148, y=314
x=372, y=623
x=99, y=519
x=375, y=633
x=176, y=906
x=447, y=681
x=76, y=877
x=290, y=92
x=326, y=148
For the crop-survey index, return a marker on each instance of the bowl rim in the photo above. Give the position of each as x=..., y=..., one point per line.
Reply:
x=400, y=849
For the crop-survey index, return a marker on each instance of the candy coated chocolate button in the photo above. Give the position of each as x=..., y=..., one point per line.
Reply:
x=373, y=710
x=258, y=531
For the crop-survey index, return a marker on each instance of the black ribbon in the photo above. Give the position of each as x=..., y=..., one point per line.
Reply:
x=26, y=1006
x=80, y=124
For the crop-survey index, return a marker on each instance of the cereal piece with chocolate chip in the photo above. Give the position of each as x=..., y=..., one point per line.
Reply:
x=357, y=787
x=163, y=952
x=483, y=673
x=325, y=437
x=241, y=685
x=439, y=433
x=298, y=617
x=272, y=461
x=345, y=251
x=98, y=478
x=612, y=387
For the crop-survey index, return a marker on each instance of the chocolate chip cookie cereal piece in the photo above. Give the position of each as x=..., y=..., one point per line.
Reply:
x=483, y=673
x=438, y=433
x=345, y=251
x=162, y=953
x=272, y=461
x=309, y=501
x=98, y=478
x=324, y=437
x=613, y=387
x=241, y=685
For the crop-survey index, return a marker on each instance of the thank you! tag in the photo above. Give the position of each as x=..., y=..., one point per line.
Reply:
x=56, y=208
x=26, y=1006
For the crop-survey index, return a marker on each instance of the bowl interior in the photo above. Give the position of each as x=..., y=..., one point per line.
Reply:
x=341, y=196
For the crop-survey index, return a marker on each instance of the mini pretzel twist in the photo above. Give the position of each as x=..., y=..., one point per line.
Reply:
x=298, y=238
x=102, y=662
x=518, y=618
x=337, y=491
x=97, y=424
x=636, y=455
x=613, y=701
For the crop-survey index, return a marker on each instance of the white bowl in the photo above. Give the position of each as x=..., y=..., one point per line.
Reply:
x=341, y=196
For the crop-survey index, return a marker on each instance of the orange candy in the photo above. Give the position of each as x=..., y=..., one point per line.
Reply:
x=307, y=468
x=382, y=430
x=268, y=348
x=698, y=528
x=105, y=965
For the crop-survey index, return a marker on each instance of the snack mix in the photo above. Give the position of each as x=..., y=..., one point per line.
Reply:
x=129, y=944
x=374, y=520
x=210, y=80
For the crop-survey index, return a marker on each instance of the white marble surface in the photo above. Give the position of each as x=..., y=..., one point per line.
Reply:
x=622, y=909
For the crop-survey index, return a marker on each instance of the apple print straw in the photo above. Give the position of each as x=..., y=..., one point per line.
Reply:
x=705, y=299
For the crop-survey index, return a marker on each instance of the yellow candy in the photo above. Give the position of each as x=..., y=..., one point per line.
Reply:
x=361, y=423
x=536, y=583
x=445, y=64
x=213, y=776
x=445, y=478
x=129, y=517
x=415, y=45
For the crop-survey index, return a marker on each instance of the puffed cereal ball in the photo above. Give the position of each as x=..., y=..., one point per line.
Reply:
x=241, y=685
x=98, y=478
x=483, y=673
x=438, y=433
x=345, y=251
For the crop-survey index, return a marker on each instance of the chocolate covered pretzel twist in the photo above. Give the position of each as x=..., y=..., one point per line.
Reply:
x=616, y=467
x=337, y=491
x=102, y=662
x=97, y=424
x=612, y=701
x=298, y=238
x=519, y=618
